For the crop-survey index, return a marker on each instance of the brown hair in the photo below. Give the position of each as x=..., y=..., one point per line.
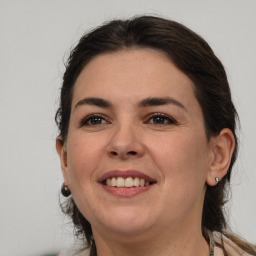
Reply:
x=193, y=56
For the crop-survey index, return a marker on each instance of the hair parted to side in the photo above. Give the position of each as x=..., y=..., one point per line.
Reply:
x=194, y=57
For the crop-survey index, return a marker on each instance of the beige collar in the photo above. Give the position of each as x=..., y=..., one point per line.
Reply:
x=231, y=248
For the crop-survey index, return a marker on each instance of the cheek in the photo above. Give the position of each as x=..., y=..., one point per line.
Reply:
x=181, y=158
x=182, y=161
x=84, y=154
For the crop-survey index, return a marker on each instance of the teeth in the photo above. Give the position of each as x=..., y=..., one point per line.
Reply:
x=127, y=182
x=113, y=182
x=136, y=182
x=120, y=182
x=142, y=182
x=108, y=182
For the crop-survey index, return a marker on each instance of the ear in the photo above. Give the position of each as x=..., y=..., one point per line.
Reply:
x=222, y=148
x=61, y=149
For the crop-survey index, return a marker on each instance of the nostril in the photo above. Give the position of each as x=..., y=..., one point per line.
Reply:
x=132, y=153
x=114, y=153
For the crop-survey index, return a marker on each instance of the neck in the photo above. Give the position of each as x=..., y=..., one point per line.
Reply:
x=165, y=242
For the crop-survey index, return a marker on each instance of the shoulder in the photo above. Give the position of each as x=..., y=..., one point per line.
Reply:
x=231, y=248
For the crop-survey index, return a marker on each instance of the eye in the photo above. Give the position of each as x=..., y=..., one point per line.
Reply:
x=93, y=120
x=161, y=119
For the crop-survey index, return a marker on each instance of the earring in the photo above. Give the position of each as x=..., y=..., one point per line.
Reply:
x=217, y=180
x=65, y=191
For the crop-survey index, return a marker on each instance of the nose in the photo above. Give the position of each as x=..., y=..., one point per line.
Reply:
x=126, y=143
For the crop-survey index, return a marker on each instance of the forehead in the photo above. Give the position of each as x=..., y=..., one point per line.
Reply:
x=133, y=73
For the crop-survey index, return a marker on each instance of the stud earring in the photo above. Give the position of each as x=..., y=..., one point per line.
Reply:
x=65, y=191
x=217, y=180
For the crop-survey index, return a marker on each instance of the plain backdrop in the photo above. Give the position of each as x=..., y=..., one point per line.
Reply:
x=35, y=39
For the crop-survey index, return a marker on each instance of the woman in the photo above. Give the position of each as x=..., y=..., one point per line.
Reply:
x=147, y=141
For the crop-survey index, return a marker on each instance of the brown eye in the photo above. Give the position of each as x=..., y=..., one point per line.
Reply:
x=160, y=119
x=93, y=121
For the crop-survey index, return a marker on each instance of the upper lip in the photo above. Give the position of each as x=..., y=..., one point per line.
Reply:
x=125, y=174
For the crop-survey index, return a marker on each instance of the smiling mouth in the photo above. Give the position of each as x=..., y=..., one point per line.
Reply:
x=129, y=182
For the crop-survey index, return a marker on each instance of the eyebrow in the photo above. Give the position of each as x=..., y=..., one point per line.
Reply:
x=150, y=102
x=94, y=102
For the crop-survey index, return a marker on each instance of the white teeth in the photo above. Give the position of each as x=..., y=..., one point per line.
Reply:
x=127, y=182
x=120, y=182
x=108, y=182
x=113, y=182
x=136, y=182
x=142, y=182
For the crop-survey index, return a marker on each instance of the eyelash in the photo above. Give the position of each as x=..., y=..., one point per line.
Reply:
x=170, y=121
x=164, y=118
x=85, y=121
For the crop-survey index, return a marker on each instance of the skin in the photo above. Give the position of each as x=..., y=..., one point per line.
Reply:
x=173, y=150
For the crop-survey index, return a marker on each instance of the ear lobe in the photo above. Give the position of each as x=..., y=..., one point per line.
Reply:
x=222, y=148
x=60, y=147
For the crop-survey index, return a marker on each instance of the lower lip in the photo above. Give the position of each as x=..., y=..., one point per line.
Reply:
x=126, y=192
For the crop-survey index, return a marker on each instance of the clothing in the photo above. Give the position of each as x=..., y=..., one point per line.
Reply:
x=231, y=248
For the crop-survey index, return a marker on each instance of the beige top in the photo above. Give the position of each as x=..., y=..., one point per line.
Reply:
x=231, y=248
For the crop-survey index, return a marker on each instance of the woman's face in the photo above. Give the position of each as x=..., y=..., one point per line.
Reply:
x=135, y=117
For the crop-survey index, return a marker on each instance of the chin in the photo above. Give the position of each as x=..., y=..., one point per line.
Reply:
x=124, y=222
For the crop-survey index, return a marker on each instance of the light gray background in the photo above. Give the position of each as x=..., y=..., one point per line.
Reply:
x=35, y=38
